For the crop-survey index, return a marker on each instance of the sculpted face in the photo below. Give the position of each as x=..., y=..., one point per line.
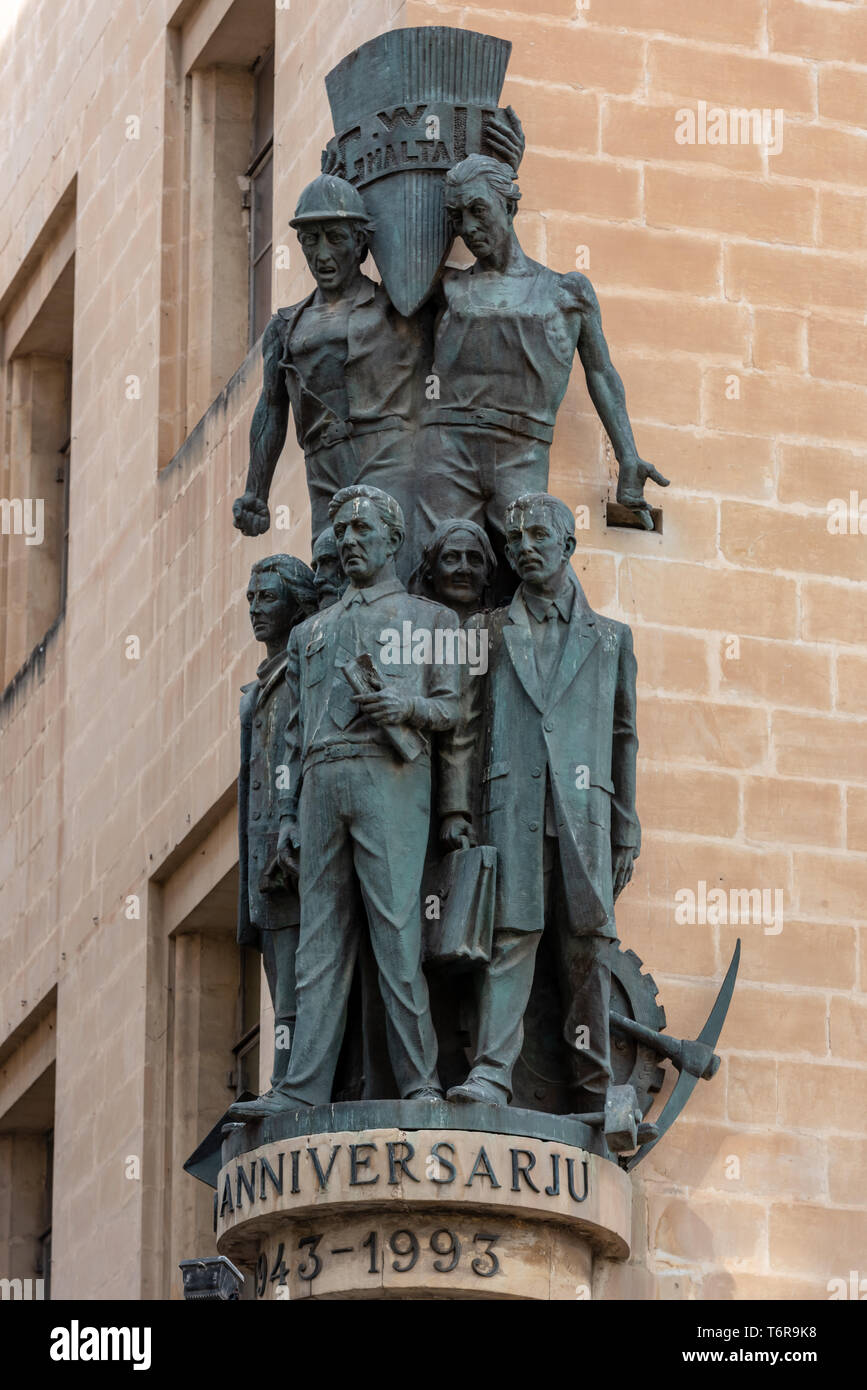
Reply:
x=270, y=614
x=536, y=547
x=460, y=571
x=327, y=574
x=481, y=217
x=334, y=250
x=365, y=542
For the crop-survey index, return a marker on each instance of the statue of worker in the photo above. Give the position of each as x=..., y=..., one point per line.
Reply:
x=506, y=337
x=350, y=367
x=280, y=594
x=356, y=811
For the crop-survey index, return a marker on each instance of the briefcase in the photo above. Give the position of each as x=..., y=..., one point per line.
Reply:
x=466, y=882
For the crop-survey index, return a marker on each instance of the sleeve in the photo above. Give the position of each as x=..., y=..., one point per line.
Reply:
x=439, y=707
x=458, y=748
x=287, y=797
x=625, y=827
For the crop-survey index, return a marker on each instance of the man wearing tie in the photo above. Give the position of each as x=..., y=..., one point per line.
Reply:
x=356, y=811
x=556, y=713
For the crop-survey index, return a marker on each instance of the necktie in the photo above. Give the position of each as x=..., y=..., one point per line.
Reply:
x=548, y=648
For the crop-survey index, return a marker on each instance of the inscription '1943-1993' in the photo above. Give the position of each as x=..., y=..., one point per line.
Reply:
x=394, y=1163
x=444, y=1244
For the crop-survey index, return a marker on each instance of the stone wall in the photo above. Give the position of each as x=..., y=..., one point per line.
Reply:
x=732, y=284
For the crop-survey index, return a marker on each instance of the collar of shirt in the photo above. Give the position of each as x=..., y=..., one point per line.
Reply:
x=269, y=667
x=538, y=607
x=392, y=585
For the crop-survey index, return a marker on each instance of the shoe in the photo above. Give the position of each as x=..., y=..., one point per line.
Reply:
x=271, y=1103
x=477, y=1091
x=426, y=1093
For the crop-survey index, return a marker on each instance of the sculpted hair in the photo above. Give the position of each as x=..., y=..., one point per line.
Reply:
x=326, y=543
x=560, y=514
x=499, y=177
x=387, y=507
x=422, y=579
x=297, y=581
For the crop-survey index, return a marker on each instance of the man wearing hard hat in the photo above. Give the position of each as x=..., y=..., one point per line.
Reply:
x=348, y=364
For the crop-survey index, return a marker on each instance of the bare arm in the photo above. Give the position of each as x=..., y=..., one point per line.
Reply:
x=609, y=400
x=267, y=437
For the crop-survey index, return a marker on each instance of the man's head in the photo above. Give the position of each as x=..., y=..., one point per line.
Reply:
x=280, y=593
x=333, y=230
x=481, y=198
x=328, y=576
x=540, y=537
x=457, y=564
x=369, y=528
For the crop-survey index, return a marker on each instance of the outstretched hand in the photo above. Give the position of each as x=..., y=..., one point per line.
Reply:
x=630, y=488
x=250, y=514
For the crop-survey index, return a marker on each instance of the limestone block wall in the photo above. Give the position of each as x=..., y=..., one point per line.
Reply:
x=733, y=287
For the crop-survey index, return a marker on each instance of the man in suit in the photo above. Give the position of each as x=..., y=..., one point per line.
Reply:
x=357, y=809
x=557, y=713
x=280, y=594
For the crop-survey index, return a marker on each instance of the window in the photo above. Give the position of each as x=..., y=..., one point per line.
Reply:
x=27, y=1171
x=246, y=1049
x=261, y=175
x=217, y=206
x=34, y=511
x=43, y=1254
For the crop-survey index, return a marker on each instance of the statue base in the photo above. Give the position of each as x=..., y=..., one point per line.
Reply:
x=403, y=1199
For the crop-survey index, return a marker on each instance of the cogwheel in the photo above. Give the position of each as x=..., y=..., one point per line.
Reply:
x=635, y=996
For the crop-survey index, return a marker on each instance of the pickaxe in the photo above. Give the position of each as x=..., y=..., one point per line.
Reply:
x=694, y=1060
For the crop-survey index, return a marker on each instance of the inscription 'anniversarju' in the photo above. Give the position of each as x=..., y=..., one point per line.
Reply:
x=305, y=1171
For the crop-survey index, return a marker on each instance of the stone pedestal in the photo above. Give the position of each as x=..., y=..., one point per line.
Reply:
x=407, y=1200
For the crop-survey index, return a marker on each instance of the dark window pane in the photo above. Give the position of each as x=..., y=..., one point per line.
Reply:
x=261, y=295
x=262, y=206
x=263, y=119
x=248, y=1071
x=250, y=961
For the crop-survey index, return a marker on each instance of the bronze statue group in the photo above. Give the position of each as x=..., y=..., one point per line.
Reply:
x=426, y=442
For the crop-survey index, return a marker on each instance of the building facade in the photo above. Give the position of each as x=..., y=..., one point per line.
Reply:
x=152, y=155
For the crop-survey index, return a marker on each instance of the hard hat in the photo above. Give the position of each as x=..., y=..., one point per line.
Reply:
x=329, y=198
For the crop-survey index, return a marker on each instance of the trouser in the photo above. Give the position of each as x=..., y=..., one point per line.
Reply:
x=363, y=819
x=475, y=474
x=584, y=974
x=278, y=957
x=381, y=458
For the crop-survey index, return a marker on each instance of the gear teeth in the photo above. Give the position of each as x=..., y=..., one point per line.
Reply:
x=661, y=1019
x=650, y=980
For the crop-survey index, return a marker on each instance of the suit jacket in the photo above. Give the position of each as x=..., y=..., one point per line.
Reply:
x=322, y=717
x=264, y=710
x=531, y=738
